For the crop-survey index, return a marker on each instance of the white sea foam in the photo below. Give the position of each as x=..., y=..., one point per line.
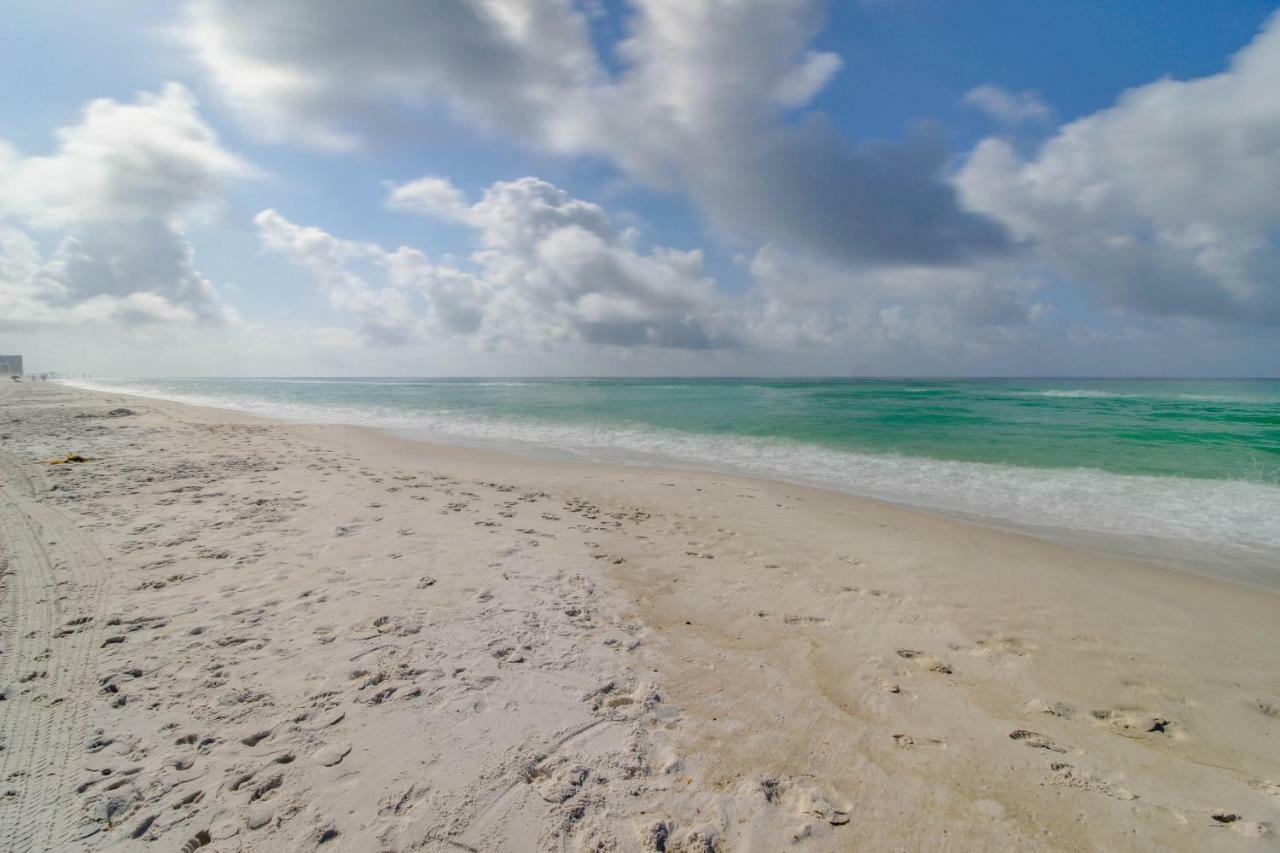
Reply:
x=1234, y=524
x=1092, y=393
x=1084, y=393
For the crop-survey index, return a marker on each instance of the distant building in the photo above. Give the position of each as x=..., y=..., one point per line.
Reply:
x=10, y=365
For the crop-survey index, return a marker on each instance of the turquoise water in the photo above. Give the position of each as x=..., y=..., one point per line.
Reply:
x=1183, y=467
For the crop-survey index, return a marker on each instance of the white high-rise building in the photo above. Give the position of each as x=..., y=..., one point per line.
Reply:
x=10, y=365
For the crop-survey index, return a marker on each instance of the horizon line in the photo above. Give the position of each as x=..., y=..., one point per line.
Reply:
x=718, y=377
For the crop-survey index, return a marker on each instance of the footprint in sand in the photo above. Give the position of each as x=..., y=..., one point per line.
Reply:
x=804, y=620
x=1232, y=819
x=1035, y=740
x=200, y=839
x=1002, y=645
x=332, y=753
x=265, y=789
x=256, y=738
x=1133, y=722
x=803, y=801
x=1057, y=709
x=189, y=800
x=929, y=663
x=259, y=815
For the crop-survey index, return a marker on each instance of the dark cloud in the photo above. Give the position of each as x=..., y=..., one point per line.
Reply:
x=808, y=188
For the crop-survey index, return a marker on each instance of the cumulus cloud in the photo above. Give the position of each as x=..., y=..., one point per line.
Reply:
x=549, y=269
x=799, y=304
x=1007, y=107
x=114, y=192
x=710, y=96
x=1168, y=202
x=27, y=295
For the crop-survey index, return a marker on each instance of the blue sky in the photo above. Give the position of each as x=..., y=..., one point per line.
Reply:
x=784, y=186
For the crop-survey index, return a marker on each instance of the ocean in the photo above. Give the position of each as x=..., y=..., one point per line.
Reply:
x=1179, y=471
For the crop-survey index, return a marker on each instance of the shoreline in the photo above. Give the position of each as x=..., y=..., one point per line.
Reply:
x=333, y=638
x=1245, y=567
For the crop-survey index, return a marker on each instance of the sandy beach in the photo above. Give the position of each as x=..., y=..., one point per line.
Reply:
x=228, y=633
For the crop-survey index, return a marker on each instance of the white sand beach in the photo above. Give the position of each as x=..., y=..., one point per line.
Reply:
x=233, y=634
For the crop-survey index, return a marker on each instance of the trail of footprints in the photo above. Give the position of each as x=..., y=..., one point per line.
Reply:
x=1067, y=764
x=144, y=780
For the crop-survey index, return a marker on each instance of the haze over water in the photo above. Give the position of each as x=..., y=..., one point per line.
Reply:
x=1187, y=470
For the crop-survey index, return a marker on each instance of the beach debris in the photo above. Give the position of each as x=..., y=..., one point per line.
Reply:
x=63, y=460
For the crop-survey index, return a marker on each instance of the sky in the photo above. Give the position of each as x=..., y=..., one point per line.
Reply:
x=641, y=187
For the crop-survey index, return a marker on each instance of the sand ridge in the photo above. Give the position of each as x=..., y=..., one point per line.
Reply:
x=232, y=634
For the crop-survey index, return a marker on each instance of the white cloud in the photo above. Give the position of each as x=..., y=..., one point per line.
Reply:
x=386, y=315
x=429, y=195
x=116, y=190
x=801, y=84
x=550, y=270
x=1008, y=107
x=701, y=102
x=799, y=304
x=1168, y=202
x=517, y=216
x=26, y=294
x=552, y=273
x=131, y=162
x=37, y=292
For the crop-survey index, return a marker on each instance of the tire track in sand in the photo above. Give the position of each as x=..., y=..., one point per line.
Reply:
x=50, y=574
